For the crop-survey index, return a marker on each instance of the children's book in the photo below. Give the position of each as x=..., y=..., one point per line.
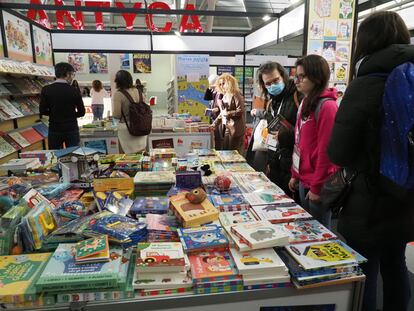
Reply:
x=92, y=250
x=260, y=234
x=228, y=219
x=162, y=280
x=210, y=237
x=18, y=275
x=163, y=222
x=118, y=203
x=278, y=213
x=165, y=177
x=150, y=205
x=266, y=198
x=213, y=190
x=62, y=273
x=238, y=167
x=324, y=254
x=160, y=257
x=204, y=152
x=306, y=231
x=262, y=261
x=247, y=178
x=230, y=156
x=229, y=203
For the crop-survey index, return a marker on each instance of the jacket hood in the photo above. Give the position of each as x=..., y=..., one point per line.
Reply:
x=385, y=60
x=329, y=93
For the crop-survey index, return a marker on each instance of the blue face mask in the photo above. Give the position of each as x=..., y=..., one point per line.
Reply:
x=276, y=88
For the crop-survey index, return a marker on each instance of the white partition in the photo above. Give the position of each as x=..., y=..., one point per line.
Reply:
x=102, y=42
x=257, y=60
x=292, y=22
x=266, y=34
x=165, y=43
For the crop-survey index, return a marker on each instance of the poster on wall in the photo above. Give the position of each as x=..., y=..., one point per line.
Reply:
x=192, y=75
x=43, y=46
x=330, y=29
x=142, y=63
x=18, y=40
x=225, y=69
x=125, y=62
x=79, y=61
x=98, y=63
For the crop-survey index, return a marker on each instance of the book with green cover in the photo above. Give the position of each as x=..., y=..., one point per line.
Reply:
x=18, y=275
x=62, y=273
x=93, y=250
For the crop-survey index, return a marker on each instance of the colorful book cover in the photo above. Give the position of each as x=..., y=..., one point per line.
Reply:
x=42, y=129
x=160, y=257
x=208, y=265
x=92, y=250
x=5, y=148
x=324, y=254
x=205, y=152
x=229, y=203
x=250, y=178
x=260, y=234
x=258, y=262
x=10, y=141
x=166, y=177
x=266, y=198
x=62, y=273
x=230, y=156
x=150, y=205
x=31, y=135
x=228, y=219
x=306, y=231
x=8, y=111
x=213, y=190
x=218, y=289
x=164, y=222
x=281, y=213
x=162, y=280
x=203, y=238
x=118, y=203
x=18, y=138
x=165, y=292
x=18, y=275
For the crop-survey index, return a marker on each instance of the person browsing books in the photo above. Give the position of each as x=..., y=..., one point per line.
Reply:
x=63, y=104
x=311, y=166
x=98, y=94
x=213, y=95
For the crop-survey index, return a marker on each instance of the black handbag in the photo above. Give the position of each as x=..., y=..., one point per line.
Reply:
x=336, y=189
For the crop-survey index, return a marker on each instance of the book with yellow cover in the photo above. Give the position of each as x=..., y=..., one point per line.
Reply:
x=18, y=275
x=191, y=214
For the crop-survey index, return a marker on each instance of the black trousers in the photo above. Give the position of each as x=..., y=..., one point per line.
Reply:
x=59, y=140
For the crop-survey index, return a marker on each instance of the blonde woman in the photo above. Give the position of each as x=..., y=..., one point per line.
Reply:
x=232, y=113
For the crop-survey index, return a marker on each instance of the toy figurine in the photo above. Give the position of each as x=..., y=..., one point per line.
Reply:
x=222, y=183
x=196, y=196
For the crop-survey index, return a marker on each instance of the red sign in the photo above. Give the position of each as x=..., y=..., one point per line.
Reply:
x=188, y=22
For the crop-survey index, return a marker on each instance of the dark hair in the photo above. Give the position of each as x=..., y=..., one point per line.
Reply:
x=378, y=31
x=268, y=68
x=97, y=85
x=62, y=70
x=138, y=82
x=123, y=80
x=316, y=70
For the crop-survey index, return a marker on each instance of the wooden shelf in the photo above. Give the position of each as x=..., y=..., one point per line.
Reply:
x=9, y=157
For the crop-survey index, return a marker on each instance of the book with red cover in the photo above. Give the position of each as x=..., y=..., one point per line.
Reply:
x=31, y=135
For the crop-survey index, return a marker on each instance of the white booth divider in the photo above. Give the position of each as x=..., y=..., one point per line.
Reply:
x=198, y=43
x=292, y=22
x=265, y=35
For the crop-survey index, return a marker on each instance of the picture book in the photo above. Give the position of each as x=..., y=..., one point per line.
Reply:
x=162, y=280
x=266, y=198
x=249, y=178
x=18, y=138
x=228, y=219
x=262, y=261
x=306, y=231
x=160, y=257
x=260, y=234
x=209, y=265
x=18, y=275
x=342, y=51
x=203, y=238
x=330, y=29
x=150, y=205
x=188, y=180
x=92, y=250
x=5, y=148
x=159, y=177
x=341, y=71
x=204, y=152
x=277, y=213
x=229, y=203
x=31, y=135
x=192, y=214
x=62, y=273
x=156, y=222
x=118, y=203
x=316, y=30
x=328, y=52
x=230, y=156
x=324, y=254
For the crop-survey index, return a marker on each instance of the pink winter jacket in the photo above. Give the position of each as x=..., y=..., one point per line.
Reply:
x=312, y=138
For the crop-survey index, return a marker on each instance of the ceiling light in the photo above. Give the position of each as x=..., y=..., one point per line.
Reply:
x=266, y=18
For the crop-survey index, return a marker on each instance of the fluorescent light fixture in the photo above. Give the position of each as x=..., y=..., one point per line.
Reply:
x=177, y=33
x=266, y=18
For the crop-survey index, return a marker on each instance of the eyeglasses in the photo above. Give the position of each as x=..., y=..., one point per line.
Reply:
x=299, y=77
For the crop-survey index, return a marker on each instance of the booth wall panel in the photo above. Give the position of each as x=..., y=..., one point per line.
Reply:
x=197, y=43
x=262, y=36
x=292, y=21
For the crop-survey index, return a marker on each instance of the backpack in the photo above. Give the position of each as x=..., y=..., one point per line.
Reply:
x=140, y=116
x=397, y=128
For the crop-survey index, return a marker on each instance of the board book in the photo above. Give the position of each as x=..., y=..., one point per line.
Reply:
x=229, y=203
x=279, y=213
x=210, y=237
x=92, y=250
x=306, y=231
x=228, y=219
x=160, y=257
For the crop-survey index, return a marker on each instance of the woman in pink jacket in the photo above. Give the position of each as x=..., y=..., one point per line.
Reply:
x=311, y=165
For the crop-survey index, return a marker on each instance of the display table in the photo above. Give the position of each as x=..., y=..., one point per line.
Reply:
x=345, y=297
x=106, y=140
x=182, y=142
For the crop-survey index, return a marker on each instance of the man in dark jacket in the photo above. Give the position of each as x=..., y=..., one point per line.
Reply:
x=63, y=104
x=374, y=221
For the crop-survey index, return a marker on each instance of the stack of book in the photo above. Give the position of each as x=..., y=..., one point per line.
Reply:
x=92, y=250
x=261, y=268
x=20, y=165
x=153, y=183
x=130, y=164
x=229, y=202
x=166, y=153
x=149, y=205
x=161, y=267
x=45, y=157
x=204, y=238
x=229, y=219
x=306, y=231
x=162, y=228
x=321, y=263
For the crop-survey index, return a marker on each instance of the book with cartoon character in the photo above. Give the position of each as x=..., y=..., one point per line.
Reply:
x=267, y=197
x=260, y=234
x=229, y=203
x=162, y=280
x=62, y=273
x=92, y=250
x=150, y=205
x=212, y=266
x=306, y=231
x=160, y=257
x=18, y=275
x=228, y=219
x=278, y=213
x=209, y=237
x=262, y=261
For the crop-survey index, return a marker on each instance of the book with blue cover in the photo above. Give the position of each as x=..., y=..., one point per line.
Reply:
x=209, y=237
x=150, y=205
x=229, y=203
x=42, y=129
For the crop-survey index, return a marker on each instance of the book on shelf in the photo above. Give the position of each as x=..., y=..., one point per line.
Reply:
x=209, y=237
x=10, y=141
x=160, y=257
x=8, y=111
x=31, y=135
x=18, y=138
x=306, y=231
x=42, y=129
x=278, y=213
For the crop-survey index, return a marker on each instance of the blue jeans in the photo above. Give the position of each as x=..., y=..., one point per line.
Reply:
x=97, y=111
x=320, y=213
x=57, y=139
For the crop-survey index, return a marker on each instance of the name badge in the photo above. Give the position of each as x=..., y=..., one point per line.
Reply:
x=296, y=159
x=272, y=142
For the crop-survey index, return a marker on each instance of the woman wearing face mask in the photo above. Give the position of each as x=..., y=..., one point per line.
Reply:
x=283, y=100
x=232, y=113
x=311, y=166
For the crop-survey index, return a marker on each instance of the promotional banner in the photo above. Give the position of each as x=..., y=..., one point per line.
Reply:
x=18, y=41
x=330, y=30
x=192, y=75
x=43, y=46
x=142, y=63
